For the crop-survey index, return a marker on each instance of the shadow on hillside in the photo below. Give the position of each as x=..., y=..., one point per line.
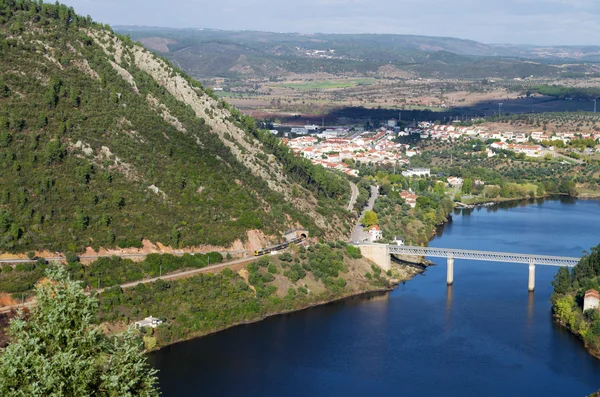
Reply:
x=360, y=115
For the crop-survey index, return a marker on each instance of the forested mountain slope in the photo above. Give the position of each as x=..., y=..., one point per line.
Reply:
x=104, y=144
x=209, y=53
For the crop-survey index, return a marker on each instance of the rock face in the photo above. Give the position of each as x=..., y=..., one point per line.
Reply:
x=245, y=148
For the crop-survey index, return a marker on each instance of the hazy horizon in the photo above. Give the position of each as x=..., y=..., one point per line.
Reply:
x=343, y=33
x=521, y=22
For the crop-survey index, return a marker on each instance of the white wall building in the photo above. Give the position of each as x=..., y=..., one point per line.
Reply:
x=591, y=300
x=152, y=322
x=375, y=233
x=416, y=172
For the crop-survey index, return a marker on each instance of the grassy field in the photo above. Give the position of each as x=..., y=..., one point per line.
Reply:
x=229, y=94
x=327, y=84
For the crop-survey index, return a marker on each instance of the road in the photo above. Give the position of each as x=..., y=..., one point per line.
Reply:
x=353, y=196
x=188, y=273
x=172, y=276
x=358, y=234
x=569, y=159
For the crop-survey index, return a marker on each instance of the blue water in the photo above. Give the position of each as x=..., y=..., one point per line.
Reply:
x=484, y=336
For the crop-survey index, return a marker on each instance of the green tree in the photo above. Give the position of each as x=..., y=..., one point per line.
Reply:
x=57, y=351
x=467, y=186
x=5, y=138
x=562, y=281
x=369, y=219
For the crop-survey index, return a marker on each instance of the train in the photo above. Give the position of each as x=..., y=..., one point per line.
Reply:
x=277, y=247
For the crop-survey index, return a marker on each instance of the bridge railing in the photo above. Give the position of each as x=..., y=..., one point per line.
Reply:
x=483, y=255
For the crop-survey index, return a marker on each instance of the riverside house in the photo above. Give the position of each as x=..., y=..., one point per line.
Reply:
x=375, y=233
x=152, y=322
x=591, y=300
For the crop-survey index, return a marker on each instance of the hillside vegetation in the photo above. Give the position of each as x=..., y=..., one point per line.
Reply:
x=103, y=144
x=207, y=303
x=567, y=300
x=207, y=53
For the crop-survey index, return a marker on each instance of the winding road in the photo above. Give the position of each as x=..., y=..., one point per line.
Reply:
x=358, y=234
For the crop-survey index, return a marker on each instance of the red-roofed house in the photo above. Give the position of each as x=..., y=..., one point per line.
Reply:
x=591, y=300
x=411, y=200
x=375, y=232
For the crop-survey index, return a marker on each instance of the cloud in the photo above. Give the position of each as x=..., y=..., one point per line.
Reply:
x=509, y=21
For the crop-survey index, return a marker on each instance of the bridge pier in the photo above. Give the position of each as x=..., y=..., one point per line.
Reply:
x=450, y=271
x=531, y=285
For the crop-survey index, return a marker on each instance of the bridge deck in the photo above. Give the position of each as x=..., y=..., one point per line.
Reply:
x=483, y=255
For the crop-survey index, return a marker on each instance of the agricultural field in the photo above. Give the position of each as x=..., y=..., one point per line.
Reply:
x=327, y=84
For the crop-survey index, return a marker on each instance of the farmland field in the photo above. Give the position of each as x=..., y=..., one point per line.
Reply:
x=327, y=84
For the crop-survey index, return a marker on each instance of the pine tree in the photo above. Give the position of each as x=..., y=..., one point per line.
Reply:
x=58, y=351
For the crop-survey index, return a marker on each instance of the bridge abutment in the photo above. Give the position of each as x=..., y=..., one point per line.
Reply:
x=450, y=271
x=377, y=253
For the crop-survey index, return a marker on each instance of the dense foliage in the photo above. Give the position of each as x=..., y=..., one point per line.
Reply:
x=104, y=272
x=57, y=351
x=396, y=218
x=513, y=174
x=561, y=91
x=567, y=300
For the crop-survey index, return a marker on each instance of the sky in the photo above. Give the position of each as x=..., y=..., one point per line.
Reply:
x=541, y=22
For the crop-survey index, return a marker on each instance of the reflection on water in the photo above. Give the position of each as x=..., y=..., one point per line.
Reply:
x=530, y=307
x=448, y=322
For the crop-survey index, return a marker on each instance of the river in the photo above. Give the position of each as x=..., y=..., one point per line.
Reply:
x=486, y=335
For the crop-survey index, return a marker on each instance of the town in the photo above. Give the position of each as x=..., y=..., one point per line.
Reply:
x=339, y=148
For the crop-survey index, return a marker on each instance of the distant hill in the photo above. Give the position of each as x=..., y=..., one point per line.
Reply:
x=207, y=53
x=104, y=144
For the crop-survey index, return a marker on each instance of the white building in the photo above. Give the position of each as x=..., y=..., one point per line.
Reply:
x=299, y=130
x=455, y=181
x=416, y=172
x=399, y=240
x=152, y=322
x=591, y=300
x=375, y=233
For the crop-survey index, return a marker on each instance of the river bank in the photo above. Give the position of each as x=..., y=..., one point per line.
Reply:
x=360, y=294
x=570, y=287
x=210, y=303
x=593, y=351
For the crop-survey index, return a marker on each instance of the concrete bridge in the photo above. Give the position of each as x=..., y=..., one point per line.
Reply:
x=380, y=254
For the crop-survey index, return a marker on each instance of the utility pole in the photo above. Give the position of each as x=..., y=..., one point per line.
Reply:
x=595, y=99
x=160, y=271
